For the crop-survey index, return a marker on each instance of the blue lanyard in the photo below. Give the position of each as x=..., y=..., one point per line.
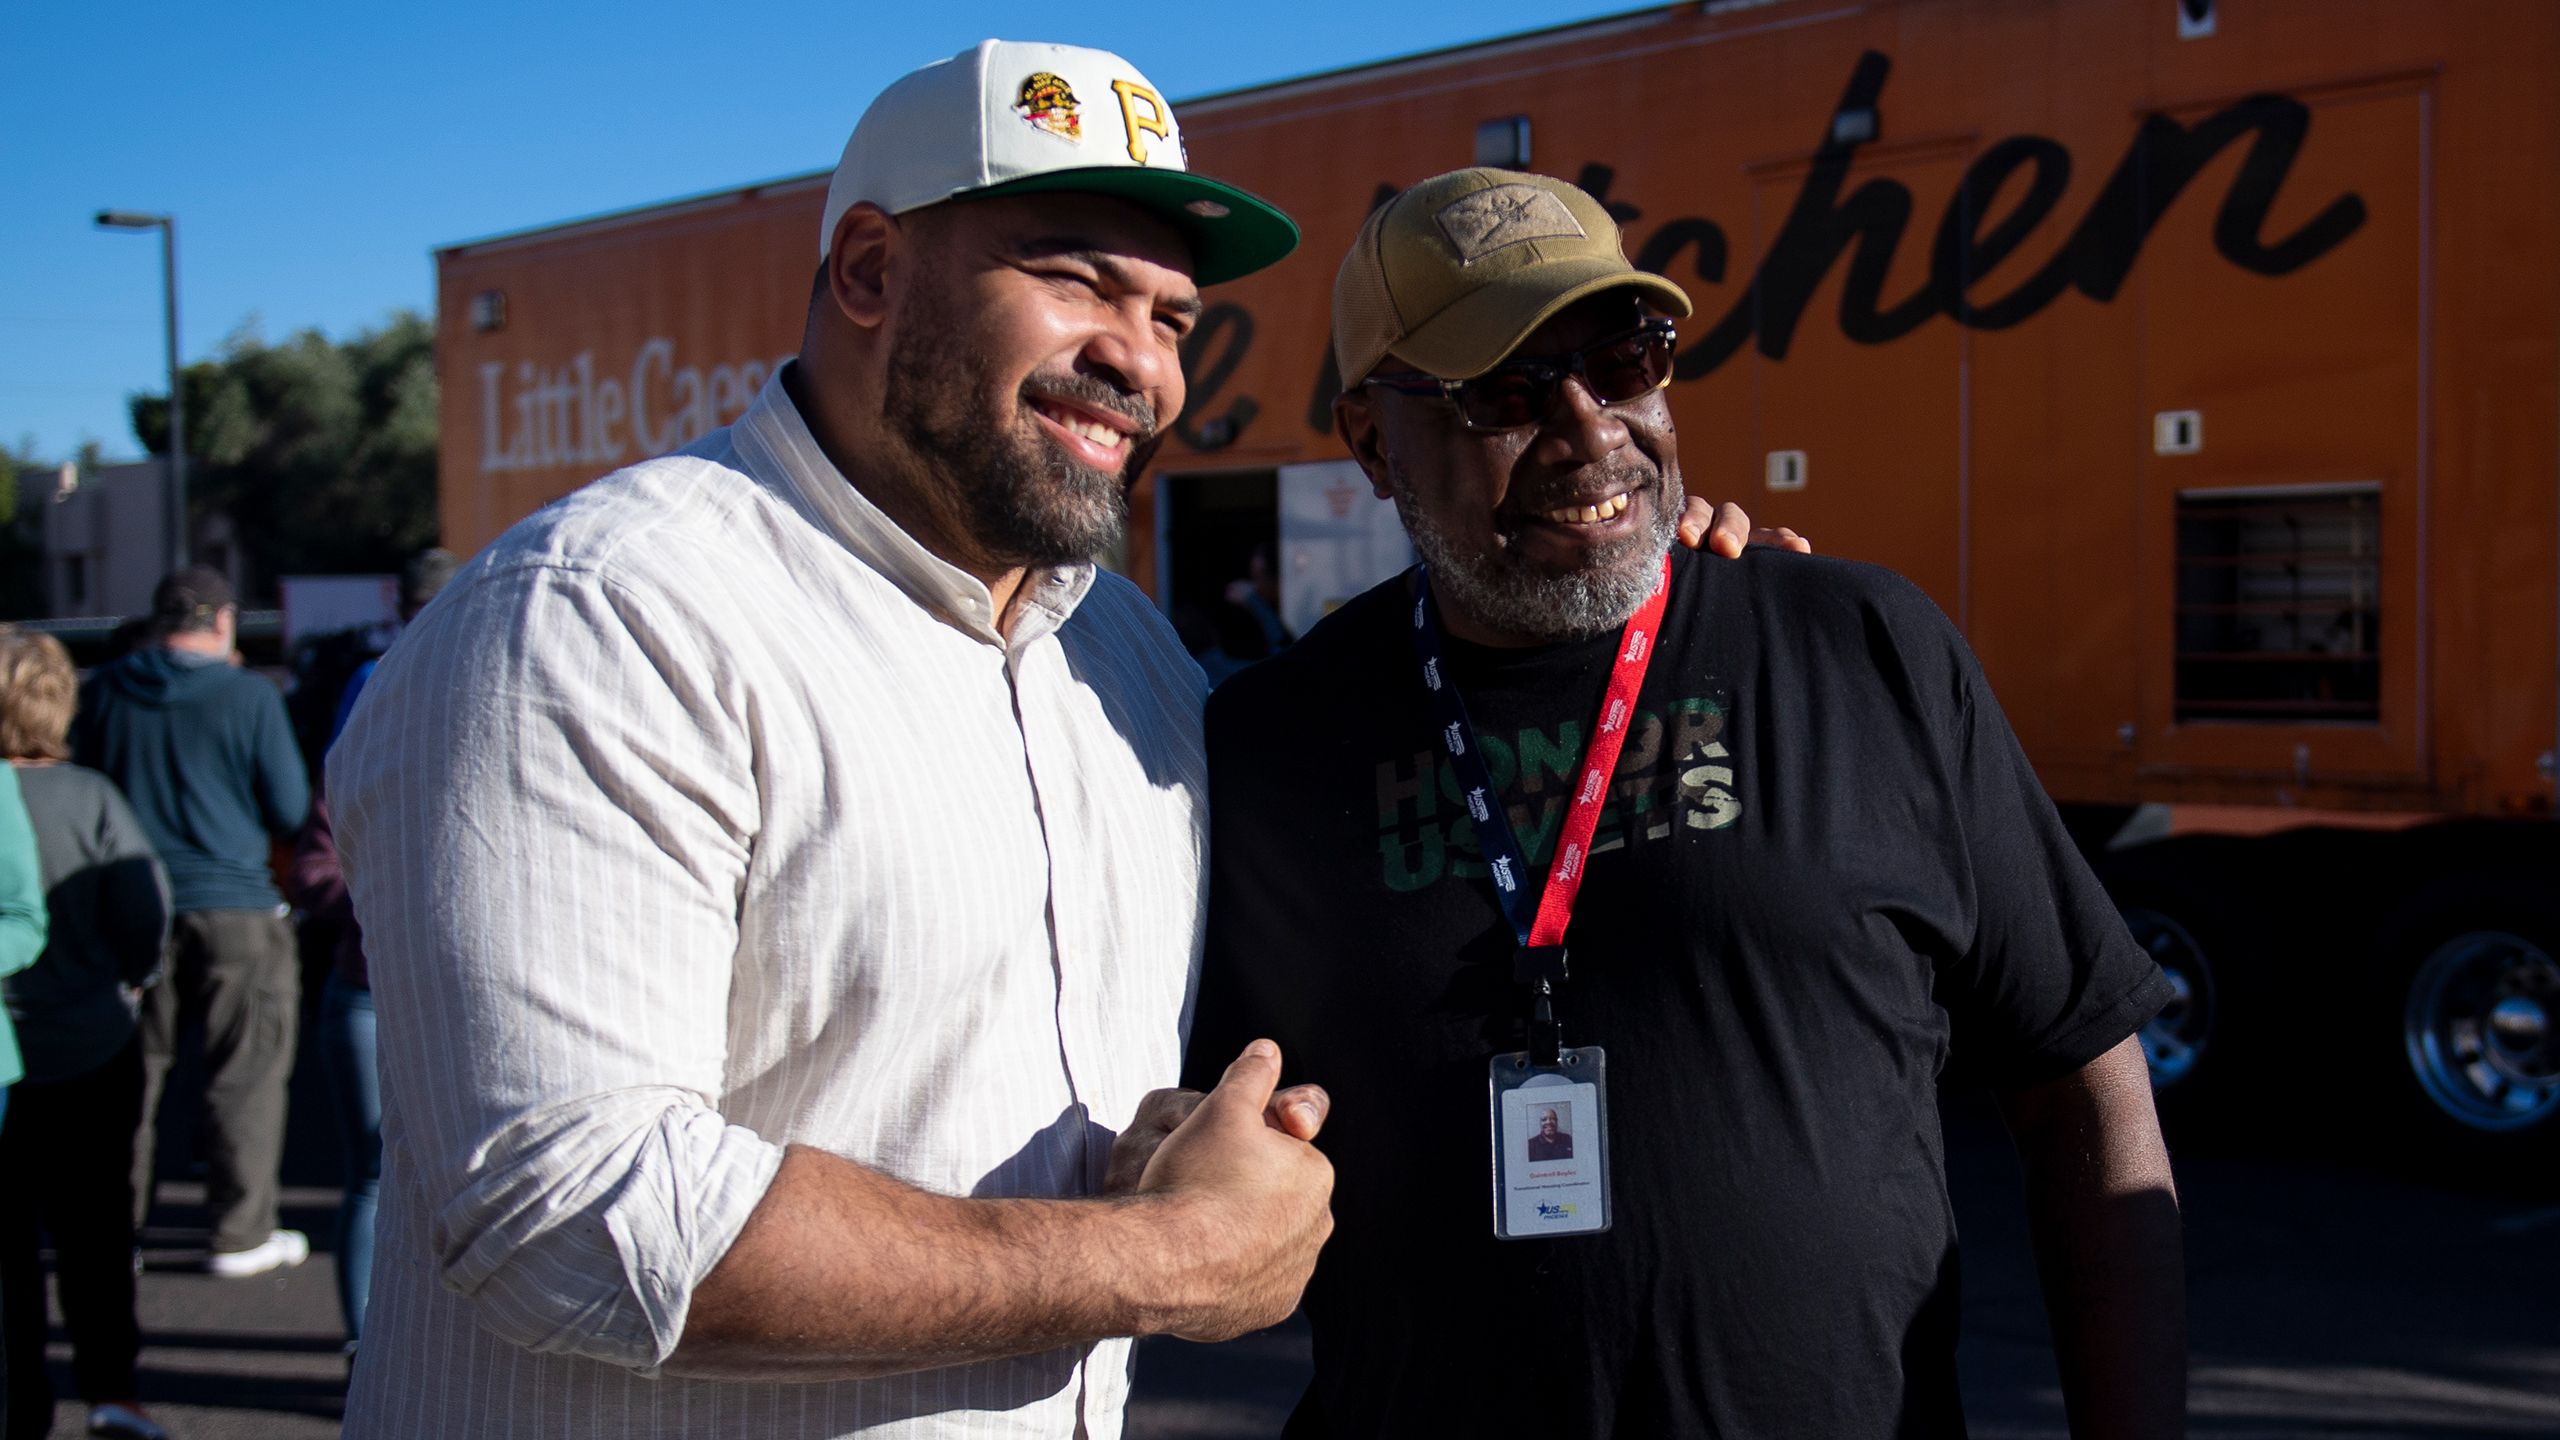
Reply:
x=1494, y=837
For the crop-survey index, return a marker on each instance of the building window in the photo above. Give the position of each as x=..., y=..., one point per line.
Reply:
x=2279, y=604
x=1503, y=143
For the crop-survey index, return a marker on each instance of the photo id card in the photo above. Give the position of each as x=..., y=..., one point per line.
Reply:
x=1550, y=1145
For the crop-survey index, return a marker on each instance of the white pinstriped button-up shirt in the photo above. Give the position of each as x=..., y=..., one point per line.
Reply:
x=705, y=812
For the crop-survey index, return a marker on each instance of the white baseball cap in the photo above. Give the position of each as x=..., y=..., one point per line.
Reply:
x=1009, y=117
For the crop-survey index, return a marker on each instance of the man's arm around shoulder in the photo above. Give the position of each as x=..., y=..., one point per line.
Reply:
x=2104, y=1212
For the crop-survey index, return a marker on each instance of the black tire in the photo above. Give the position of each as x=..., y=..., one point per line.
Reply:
x=2195, y=1051
x=2179, y=1044
x=2466, y=1006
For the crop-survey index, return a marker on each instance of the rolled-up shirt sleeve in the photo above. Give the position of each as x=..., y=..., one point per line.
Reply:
x=545, y=807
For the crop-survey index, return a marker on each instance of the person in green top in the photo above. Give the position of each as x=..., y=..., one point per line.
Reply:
x=22, y=913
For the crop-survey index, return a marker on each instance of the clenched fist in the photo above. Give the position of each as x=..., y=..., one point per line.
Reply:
x=1246, y=1197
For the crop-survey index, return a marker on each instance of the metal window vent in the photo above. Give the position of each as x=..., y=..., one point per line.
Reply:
x=2279, y=608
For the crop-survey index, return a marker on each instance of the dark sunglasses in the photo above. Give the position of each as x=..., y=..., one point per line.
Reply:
x=1520, y=393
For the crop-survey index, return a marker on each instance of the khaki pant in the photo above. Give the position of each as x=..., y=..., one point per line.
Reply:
x=234, y=972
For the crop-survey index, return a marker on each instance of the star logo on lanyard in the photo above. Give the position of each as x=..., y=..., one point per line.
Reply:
x=1569, y=864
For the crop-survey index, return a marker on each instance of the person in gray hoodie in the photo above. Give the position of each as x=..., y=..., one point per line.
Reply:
x=67, y=1142
x=204, y=752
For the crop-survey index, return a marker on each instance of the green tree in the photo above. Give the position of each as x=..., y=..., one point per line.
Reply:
x=322, y=452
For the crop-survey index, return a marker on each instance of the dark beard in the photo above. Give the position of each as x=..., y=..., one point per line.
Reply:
x=1018, y=498
x=1496, y=591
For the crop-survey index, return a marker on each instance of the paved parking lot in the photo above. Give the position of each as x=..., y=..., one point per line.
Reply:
x=2328, y=1299
x=2324, y=1298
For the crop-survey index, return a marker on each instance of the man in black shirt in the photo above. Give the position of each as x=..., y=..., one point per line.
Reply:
x=1818, y=872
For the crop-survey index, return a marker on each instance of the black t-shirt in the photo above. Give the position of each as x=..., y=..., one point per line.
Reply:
x=1825, y=872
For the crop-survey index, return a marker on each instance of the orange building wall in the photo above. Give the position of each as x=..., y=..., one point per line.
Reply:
x=2003, y=461
x=621, y=339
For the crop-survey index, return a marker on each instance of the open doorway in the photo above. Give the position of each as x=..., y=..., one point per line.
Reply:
x=1248, y=560
x=1217, y=539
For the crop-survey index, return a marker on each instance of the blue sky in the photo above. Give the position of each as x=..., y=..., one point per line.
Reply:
x=314, y=154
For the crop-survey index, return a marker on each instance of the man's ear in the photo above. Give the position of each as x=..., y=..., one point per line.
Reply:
x=866, y=243
x=1357, y=424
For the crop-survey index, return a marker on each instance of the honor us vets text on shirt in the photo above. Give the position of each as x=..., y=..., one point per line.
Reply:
x=1676, y=773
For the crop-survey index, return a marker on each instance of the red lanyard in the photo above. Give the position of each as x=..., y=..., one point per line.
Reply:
x=1599, y=763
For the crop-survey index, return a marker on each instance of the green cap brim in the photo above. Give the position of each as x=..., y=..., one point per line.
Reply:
x=1231, y=233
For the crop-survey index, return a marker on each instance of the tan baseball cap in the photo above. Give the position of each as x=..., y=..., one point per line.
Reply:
x=1454, y=273
x=1006, y=117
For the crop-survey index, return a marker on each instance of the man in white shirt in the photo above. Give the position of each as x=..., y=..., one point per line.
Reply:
x=781, y=860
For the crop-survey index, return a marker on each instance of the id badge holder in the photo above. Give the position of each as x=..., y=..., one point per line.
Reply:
x=1550, y=1144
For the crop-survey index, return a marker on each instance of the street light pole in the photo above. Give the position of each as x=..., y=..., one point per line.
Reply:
x=179, y=545
x=167, y=225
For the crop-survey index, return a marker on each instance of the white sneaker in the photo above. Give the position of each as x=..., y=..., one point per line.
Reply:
x=124, y=1422
x=281, y=1250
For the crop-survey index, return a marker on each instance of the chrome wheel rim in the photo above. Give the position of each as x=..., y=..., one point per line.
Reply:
x=2480, y=1031
x=2176, y=1038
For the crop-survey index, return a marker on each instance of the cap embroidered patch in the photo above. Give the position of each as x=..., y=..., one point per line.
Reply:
x=1046, y=103
x=1498, y=218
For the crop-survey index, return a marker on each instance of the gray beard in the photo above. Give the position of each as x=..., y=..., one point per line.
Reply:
x=1497, y=592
